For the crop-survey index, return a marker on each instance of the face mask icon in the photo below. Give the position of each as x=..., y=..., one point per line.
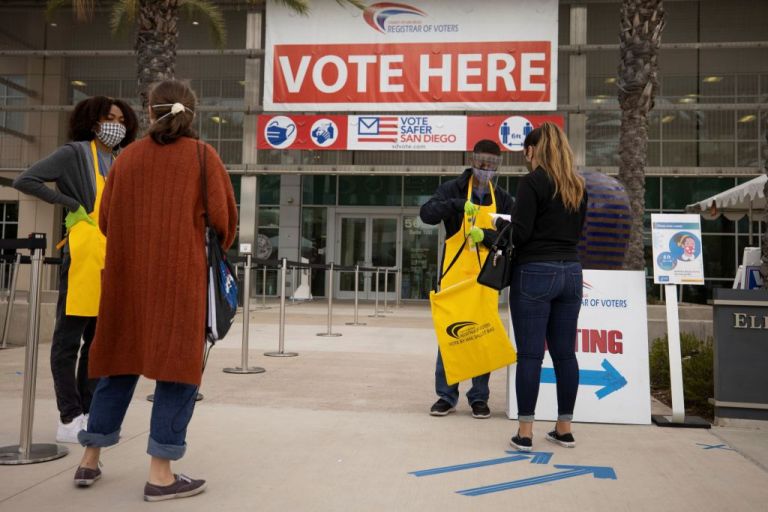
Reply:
x=278, y=135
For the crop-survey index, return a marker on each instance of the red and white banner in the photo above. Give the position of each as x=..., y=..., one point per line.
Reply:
x=422, y=55
x=392, y=132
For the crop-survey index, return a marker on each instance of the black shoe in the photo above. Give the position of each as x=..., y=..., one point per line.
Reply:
x=182, y=487
x=441, y=408
x=565, y=440
x=523, y=444
x=480, y=410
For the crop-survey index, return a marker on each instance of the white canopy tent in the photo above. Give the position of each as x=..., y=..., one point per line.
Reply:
x=745, y=199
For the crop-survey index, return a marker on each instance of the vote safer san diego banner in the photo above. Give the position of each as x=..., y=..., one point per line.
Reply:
x=392, y=132
x=422, y=55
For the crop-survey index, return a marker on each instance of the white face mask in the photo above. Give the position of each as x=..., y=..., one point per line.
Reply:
x=111, y=134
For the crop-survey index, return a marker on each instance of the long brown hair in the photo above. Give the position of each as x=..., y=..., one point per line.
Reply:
x=166, y=130
x=554, y=154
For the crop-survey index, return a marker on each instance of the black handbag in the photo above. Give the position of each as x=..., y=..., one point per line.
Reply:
x=222, y=286
x=497, y=269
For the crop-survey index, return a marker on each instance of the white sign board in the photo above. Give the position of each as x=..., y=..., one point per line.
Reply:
x=612, y=350
x=677, y=249
x=422, y=55
x=421, y=133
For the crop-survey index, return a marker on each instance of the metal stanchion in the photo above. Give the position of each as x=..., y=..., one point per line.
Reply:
x=293, y=284
x=386, y=290
x=281, y=343
x=26, y=452
x=330, y=305
x=376, y=313
x=398, y=287
x=264, y=289
x=357, y=281
x=244, y=368
x=11, y=299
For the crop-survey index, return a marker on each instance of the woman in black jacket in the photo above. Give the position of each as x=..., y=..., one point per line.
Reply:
x=546, y=288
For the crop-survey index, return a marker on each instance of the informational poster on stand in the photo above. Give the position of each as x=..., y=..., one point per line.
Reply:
x=677, y=249
x=612, y=351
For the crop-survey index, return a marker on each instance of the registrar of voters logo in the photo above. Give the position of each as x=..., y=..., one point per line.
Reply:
x=513, y=131
x=453, y=329
x=404, y=17
x=280, y=132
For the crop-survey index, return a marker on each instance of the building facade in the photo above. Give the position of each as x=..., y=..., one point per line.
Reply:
x=707, y=133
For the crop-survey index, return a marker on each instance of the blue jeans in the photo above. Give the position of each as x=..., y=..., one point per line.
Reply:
x=171, y=411
x=545, y=300
x=477, y=393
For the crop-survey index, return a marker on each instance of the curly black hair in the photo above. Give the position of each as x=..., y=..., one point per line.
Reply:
x=90, y=111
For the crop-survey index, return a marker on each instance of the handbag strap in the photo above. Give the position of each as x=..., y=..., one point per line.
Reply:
x=201, y=161
x=501, y=234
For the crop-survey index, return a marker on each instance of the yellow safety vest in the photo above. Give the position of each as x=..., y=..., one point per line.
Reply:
x=87, y=250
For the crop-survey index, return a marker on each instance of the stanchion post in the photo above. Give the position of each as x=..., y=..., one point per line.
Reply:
x=398, y=287
x=376, y=302
x=11, y=299
x=244, y=368
x=357, y=289
x=386, y=290
x=281, y=343
x=264, y=288
x=330, y=333
x=26, y=452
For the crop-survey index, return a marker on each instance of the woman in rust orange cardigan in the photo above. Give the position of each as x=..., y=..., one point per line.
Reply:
x=153, y=303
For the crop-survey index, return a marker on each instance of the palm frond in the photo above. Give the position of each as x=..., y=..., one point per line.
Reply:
x=51, y=6
x=123, y=16
x=83, y=9
x=211, y=14
x=354, y=3
x=298, y=6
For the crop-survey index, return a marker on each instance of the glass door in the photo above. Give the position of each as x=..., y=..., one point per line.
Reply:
x=368, y=241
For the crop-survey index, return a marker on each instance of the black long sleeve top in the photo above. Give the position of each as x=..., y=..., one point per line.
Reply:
x=543, y=229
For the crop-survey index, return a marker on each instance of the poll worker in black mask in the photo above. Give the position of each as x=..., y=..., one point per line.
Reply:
x=464, y=205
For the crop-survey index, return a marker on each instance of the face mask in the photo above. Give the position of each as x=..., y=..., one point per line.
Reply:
x=482, y=175
x=111, y=134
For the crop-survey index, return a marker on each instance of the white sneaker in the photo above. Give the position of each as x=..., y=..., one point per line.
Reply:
x=67, y=432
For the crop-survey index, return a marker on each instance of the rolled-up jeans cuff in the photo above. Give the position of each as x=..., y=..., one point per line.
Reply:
x=565, y=417
x=95, y=440
x=166, y=451
x=528, y=418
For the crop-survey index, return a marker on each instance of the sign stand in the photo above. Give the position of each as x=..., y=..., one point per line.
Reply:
x=678, y=418
x=677, y=259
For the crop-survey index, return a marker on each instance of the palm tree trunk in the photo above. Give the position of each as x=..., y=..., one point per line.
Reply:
x=156, y=40
x=642, y=22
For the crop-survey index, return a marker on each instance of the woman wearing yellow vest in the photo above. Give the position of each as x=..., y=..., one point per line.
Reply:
x=99, y=126
x=464, y=205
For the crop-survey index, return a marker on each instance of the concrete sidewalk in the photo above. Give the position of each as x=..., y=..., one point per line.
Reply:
x=342, y=426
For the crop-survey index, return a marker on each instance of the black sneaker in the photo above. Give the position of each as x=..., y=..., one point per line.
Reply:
x=523, y=444
x=182, y=487
x=480, y=410
x=441, y=408
x=565, y=440
x=85, y=477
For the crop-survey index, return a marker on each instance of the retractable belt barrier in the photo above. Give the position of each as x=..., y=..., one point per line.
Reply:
x=282, y=266
x=26, y=452
x=15, y=260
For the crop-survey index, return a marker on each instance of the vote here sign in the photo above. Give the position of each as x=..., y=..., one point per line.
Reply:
x=423, y=55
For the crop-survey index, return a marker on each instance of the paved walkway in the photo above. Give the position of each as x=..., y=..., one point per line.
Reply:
x=343, y=426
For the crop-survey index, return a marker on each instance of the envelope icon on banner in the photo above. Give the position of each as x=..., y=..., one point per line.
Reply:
x=367, y=125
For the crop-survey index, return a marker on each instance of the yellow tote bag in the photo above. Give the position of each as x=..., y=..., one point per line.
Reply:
x=472, y=338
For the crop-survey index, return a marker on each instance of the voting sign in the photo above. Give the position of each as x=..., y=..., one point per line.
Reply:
x=419, y=55
x=677, y=250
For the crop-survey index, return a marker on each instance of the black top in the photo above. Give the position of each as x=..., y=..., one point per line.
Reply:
x=543, y=229
x=447, y=206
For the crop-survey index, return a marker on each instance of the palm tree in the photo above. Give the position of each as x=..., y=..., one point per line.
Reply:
x=764, y=252
x=156, y=29
x=642, y=22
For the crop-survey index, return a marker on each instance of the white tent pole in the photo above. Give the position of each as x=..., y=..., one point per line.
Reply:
x=750, y=222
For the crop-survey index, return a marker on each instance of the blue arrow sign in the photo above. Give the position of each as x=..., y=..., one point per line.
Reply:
x=570, y=472
x=534, y=457
x=610, y=379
